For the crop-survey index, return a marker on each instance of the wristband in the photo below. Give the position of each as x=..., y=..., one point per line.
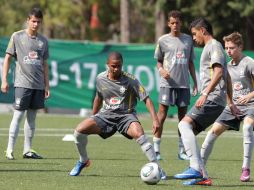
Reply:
x=204, y=94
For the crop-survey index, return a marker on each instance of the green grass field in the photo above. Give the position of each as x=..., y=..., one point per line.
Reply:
x=116, y=162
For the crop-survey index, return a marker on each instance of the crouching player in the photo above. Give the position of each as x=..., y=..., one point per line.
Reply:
x=241, y=70
x=114, y=110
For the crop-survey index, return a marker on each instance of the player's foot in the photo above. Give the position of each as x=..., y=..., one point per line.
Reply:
x=189, y=173
x=32, y=155
x=78, y=167
x=158, y=156
x=163, y=174
x=183, y=156
x=245, y=177
x=202, y=181
x=9, y=155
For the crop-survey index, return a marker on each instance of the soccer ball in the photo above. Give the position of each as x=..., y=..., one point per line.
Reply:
x=150, y=173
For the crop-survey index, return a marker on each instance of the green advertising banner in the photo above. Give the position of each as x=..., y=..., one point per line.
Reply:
x=75, y=65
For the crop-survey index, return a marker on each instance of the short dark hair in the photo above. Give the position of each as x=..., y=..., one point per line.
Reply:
x=37, y=12
x=116, y=56
x=175, y=14
x=235, y=37
x=202, y=22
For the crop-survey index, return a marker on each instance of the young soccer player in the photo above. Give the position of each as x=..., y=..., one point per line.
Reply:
x=209, y=105
x=114, y=110
x=174, y=54
x=241, y=70
x=30, y=49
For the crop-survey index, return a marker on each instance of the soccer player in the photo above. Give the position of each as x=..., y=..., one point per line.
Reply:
x=114, y=105
x=241, y=70
x=174, y=54
x=209, y=105
x=30, y=49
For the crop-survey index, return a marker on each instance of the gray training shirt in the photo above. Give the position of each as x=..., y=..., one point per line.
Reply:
x=29, y=54
x=119, y=96
x=213, y=53
x=242, y=76
x=175, y=53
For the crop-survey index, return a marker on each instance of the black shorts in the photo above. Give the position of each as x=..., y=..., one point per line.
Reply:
x=174, y=96
x=26, y=98
x=206, y=115
x=229, y=120
x=111, y=123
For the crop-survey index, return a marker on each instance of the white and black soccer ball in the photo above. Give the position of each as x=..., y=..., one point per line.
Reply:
x=150, y=173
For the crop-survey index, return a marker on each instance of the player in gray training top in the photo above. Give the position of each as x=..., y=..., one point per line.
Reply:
x=175, y=55
x=30, y=49
x=114, y=110
x=241, y=70
x=210, y=104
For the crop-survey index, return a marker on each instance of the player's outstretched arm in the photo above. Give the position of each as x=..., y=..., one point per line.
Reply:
x=6, y=67
x=151, y=109
x=97, y=104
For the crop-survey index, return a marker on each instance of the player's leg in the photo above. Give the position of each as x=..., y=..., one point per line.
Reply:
x=22, y=101
x=162, y=114
x=136, y=131
x=36, y=102
x=181, y=151
x=85, y=128
x=207, y=146
x=248, y=142
x=13, y=132
x=185, y=127
x=29, y=129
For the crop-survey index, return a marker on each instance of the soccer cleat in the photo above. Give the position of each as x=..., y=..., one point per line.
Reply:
x=78, y=167
x=32, y=155
x=158, y=156
x=183, y=156
x=163, y=174
x=245, y=177
x=9, y=155
x=202, y=181
x=189, y=173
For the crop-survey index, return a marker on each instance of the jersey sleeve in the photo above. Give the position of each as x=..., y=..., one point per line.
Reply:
x=11, y=49
x=140, y=90
x=46, y=53
x=98, y=88
x=158, y=53
x=192, y=53
x=217, y=55
x=250, y=67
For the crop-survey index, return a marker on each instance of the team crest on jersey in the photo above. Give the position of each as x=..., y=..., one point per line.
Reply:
x=33, y=55
x=180, y=54
x=40, y=44
x=122, y=90
x=237, y=86
x=241, y=73
x=164, y=97
x=115, y=100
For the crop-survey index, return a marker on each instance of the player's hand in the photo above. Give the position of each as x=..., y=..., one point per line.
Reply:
x=195, y=90
x=4, y=87
x=244, y=99
x=47, y=92
x=156, y=126
x=234, y=110
x=164, y=73
x=200, y=102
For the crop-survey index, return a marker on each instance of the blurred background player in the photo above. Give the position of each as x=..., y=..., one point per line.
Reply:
x=174, y=54
x=241, y=70
x=210, y=104
x=114, y=110
x=30, y=49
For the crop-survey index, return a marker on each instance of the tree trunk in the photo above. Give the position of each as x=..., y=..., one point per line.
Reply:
x=125, y=24
x=159, y=21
